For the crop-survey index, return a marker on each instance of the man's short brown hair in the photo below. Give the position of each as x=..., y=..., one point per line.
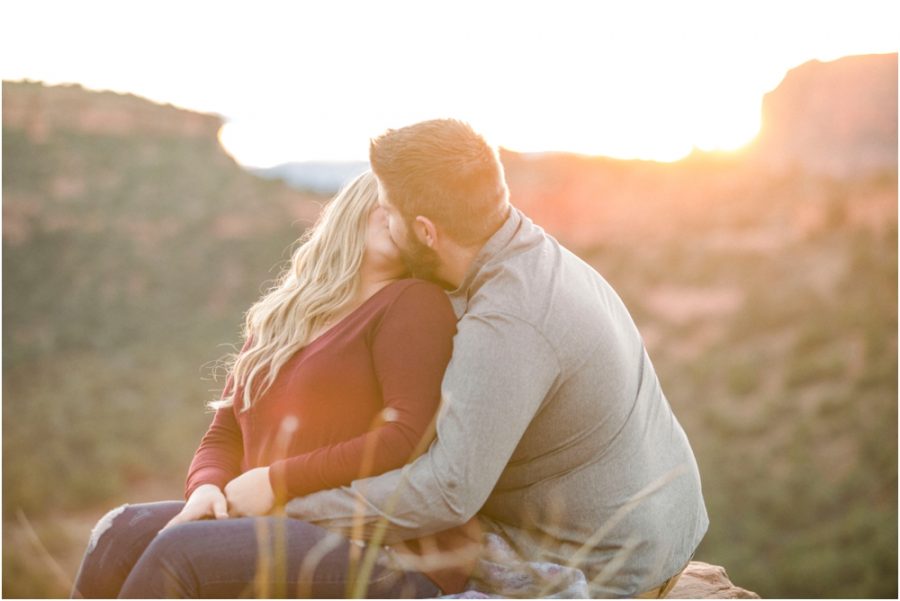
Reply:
x=445, y=171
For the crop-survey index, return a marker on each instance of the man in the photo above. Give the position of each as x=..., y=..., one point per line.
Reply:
x=553, y=428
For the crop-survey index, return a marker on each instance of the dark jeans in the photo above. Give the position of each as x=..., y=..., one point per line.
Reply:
x=240, y=557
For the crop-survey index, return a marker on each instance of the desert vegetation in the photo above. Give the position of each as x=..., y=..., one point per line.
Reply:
x=768, y=302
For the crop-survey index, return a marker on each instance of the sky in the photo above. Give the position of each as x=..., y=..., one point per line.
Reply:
x=299, y=81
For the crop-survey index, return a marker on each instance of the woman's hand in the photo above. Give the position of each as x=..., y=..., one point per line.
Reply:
x=250, y=493
x=206, y=500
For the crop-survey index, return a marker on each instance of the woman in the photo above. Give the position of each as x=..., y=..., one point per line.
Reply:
x=339, y=378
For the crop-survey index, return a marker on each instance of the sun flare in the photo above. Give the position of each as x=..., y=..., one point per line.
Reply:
x=636, y=80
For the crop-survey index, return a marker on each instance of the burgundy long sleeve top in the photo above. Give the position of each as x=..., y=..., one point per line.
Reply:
x=369, y=385
x=353, y=403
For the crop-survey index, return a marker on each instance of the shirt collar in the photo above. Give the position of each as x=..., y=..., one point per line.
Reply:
x=500, y=239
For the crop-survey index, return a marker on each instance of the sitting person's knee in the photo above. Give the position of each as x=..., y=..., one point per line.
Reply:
x=103, y=525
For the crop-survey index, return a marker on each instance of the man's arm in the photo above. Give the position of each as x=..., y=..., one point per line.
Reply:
x=500, y=373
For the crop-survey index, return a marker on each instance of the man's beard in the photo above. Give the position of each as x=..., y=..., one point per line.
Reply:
x=422, y=262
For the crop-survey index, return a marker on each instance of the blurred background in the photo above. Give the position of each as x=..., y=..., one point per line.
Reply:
x=731, y=171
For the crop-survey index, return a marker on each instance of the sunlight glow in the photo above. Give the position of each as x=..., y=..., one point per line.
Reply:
x=315, y=81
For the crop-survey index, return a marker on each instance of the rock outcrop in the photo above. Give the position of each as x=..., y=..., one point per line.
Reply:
x=705, y=581
x=837, y=119
x=42, y=110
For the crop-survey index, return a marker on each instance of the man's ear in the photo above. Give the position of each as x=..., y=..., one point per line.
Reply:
x=425, y=231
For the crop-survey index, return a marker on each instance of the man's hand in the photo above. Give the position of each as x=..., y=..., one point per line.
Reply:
x=206, y=500
x=250, y=493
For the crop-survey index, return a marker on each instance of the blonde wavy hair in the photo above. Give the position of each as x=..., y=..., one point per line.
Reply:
x=318, y=284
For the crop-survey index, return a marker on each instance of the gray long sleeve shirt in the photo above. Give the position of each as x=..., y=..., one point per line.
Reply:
x=553, y=429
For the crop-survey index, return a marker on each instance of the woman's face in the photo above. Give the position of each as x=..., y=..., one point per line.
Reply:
x=381, y=252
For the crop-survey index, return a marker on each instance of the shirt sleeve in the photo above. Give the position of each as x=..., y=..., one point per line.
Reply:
x=410, y=350
x=218, y=458
x=501, y=371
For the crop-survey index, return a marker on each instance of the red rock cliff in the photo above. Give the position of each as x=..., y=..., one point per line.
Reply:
x=837, y=118
x=40, y=109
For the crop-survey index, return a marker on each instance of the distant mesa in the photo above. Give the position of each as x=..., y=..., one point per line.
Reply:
x=834, y=121
x=322, y=177
x=837, y=119
x=42, y=109
x=79, y=160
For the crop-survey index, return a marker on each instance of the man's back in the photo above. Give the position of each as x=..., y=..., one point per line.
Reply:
x=603, y=463
x=552, y=428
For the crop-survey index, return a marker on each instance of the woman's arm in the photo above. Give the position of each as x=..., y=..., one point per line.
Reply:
x=410, y=351
x=218, y=459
